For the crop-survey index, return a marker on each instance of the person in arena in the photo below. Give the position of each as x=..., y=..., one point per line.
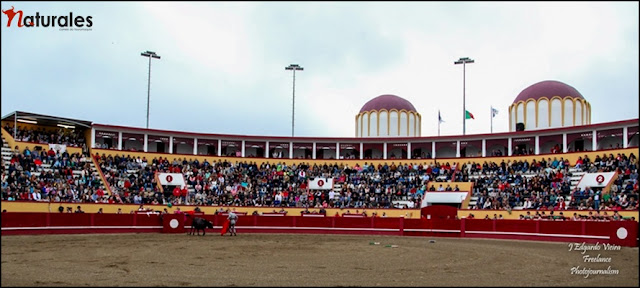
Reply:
x=232, y=223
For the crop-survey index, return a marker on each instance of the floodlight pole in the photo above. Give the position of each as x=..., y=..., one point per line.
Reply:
x=464, y=61
x=293, y=67
x=149, y=54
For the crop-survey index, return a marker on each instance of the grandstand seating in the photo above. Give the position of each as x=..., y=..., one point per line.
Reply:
x=243, y=182
x=44, y=175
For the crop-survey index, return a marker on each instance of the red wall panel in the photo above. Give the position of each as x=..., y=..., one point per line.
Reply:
x=386, y=222
x=561, y=227
x=619, y=232
x=598, y=228
x=478, y=224
x=446, y=224
x=24, y=219
x=148, y=220
x=286, y=221
x=113, y=219
x=70, y=219
x=352, y=222
x=314, y=221
x=507, y=225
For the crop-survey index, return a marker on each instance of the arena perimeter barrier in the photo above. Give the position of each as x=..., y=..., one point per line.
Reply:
x=622, y=233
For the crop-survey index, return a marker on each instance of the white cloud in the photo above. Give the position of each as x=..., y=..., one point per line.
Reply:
x=222, y=66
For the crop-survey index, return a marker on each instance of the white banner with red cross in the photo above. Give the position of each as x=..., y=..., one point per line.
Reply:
x=319, y=183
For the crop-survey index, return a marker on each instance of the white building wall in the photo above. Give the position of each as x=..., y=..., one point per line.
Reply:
x=531, y=115
x=373, y=124
x=365, y=126
x=383, y=122
x=393, y=123
x=543, y=114
x=520, y=113
x=556, y=113
x=512, y=111
x=412, y=125
x=579, y=113
x=403, y=124
x=568, y=112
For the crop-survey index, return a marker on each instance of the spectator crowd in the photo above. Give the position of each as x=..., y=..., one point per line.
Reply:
x=542, y=184
x=69, y=137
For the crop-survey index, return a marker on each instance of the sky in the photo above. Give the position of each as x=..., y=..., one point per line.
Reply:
x=222, y=63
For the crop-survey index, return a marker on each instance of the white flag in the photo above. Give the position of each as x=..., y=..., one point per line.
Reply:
x=494, y=112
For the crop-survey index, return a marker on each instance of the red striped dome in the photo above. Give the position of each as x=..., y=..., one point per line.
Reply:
x=547, y=89
x=388, y=102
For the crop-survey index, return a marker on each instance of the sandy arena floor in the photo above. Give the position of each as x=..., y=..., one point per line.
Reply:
x=299, y=260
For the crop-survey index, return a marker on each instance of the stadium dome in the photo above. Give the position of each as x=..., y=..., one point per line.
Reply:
x=388, y=116
x=548, y=104
x=388, y=102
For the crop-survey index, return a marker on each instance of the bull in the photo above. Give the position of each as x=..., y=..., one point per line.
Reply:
x=200, y=224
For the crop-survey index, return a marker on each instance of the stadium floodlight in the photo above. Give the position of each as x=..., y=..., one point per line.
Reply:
x=464, y=61
x=294, y=68
x=149, y=54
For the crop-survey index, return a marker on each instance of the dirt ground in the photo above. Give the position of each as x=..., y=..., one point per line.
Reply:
x=149, y=259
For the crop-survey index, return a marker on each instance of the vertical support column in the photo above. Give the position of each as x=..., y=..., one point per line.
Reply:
x=408, y=150
x=290, y=150
x=458, y=148
x=195, y=146
x=170, y=144
x=484, y=147
x=564, y=142
x=361, y=151
x=219, y=147
x=509, y=148
x=145, y=145
x=93, y=136
x=384, y=150
x=313, y=153
x=119, y=140
x=242, y=149
x=433, y=150
x=537, y=144
x=337, y=150
x=594, y=142
x=266, y=150
x=625, y=137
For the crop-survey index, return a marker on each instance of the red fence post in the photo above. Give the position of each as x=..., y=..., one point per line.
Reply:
x=401, y=226
x=294, y=220
x=48, y=220
x=537, y=226
x=91, y=219
x=462, y=227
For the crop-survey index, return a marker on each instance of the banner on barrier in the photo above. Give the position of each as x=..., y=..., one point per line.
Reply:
x=320, y=183
x=172, y=179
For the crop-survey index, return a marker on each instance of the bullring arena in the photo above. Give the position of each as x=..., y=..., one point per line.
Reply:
x=553, y=202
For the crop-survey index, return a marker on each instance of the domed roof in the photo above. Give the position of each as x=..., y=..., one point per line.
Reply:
x=388, y=102
x=547, y=89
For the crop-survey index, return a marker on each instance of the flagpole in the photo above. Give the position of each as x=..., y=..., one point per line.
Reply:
x=439, y=122
x=491, y=113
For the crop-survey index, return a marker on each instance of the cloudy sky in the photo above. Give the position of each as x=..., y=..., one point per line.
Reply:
x=222, y=67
